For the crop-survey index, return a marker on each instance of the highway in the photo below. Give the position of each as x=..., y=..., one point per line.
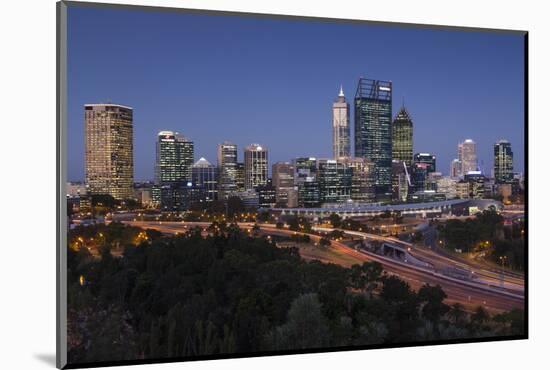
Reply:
x=469, y=293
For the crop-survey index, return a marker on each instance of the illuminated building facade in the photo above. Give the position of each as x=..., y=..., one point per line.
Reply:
x=227, y=169
x=205, y=174
x=340, y=127
x=400, y=181
x=362, y=181
x=373, y=132
x=109, y=155
x=467, y=156
x=504, y=162
x=283, y=181
x=426, y=158
x=175, y=155
x=402, y=137
x=255, y=166
x=334, y=179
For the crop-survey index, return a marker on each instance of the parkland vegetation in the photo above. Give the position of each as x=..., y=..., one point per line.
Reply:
x=231, y=292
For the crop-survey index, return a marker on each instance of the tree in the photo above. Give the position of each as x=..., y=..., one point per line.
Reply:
x=305, y=327
x=104, y=200
x=480, y=316
x=365, y=276
x=235, y=206
x=433, y=307
x=457, y=314
x=335, y=220
x=263, y=216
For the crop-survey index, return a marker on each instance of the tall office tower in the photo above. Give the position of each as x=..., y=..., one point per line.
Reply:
x=255, y=166
x=175, y=155
x=308, y=193
x=205, y=175
x=334, y=181
x=373, y=132
x=267, y=195
x=402, y=137
x=283, y=181
x=340, y=127
x=305, y=179
x=227, y=169
x=362, y=184
x=173, y=171
x=401, y=181
x=419, y=175
x=109, y=149
x=504, y=162
x=456, y=168
x=467, y=156
x=427, y=158
x=239, y=176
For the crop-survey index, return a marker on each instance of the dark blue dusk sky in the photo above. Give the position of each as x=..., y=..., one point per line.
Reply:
x=272, y=81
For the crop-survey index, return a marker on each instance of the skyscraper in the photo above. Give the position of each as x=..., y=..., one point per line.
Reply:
x=239, y=176
x=427, y=158
x=340, y=127
x=334, y=181
x=373, y=132
x=205, y=175
x=305, y=179
x=504, y=162
x=173, y=171
x=419, y=175
x=175, y=155
x=402, y=137
x=267, y=195
x=456, y=168
x=109, y=152
x=401, y=181
x=467, y=156
x=283, y=181
x=255, y=166
x=227, y=169
x=362, y=184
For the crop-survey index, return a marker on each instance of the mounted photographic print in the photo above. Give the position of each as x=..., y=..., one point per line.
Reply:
x=236, y=185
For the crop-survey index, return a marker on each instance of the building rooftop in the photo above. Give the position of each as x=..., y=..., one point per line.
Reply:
x=107, y=105
x=202, y=162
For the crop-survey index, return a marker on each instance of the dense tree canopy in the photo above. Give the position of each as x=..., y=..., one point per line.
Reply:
x=190, y=295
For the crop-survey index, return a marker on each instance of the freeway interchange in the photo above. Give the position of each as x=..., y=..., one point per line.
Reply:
x=479, y=286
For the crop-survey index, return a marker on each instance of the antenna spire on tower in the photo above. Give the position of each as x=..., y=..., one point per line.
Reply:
x=341, y=94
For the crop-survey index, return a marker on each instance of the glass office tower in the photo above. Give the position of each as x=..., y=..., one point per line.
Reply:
x=426, y=158
x=373, y=132
x=305, y=179
x=175, y=155
x=227, y=169
x=205, y=175
x=334, y=181
x=173, y=171
x=504, y=158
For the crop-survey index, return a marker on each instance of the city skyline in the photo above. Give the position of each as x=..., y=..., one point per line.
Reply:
x=303, y=103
